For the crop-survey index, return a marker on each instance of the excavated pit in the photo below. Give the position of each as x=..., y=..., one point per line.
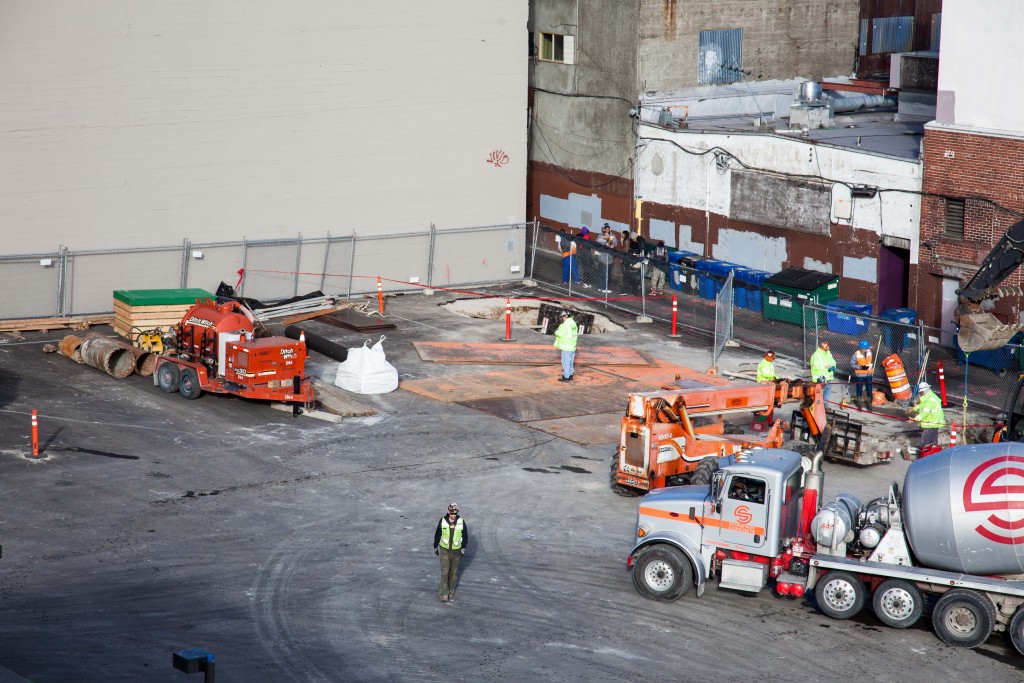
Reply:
x=524, y=312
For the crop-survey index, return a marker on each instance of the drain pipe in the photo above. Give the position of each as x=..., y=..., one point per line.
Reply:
x=842, y=104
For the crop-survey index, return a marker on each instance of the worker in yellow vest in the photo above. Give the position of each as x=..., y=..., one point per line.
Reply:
x=929, y=415
x=766, y=368
x=823, y=369
x=863, y=370
x=565, y=341
x=450, y=539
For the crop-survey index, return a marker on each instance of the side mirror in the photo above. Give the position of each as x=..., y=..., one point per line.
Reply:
x=718, y=507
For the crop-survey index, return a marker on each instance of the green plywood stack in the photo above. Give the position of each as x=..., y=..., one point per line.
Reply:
x=148, y=309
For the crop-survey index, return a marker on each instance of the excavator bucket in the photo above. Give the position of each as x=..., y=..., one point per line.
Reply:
x=983, y=332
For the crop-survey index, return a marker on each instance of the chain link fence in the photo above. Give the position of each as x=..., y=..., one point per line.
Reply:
x=82, y=282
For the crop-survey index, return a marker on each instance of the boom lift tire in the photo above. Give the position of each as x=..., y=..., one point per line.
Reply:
x=1016, y=630
x=840, y=595
x=624, y=491
x=662, y=572
x=898, y=603
x=963, y=618
x=706, y=469
x=189, y=384
x=168, y=377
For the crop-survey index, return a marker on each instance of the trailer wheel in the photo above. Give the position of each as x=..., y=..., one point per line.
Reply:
x=963, y=618
x=625, y=491
x=840, y=595
x=898, y=603
x=662, y=573
x=706, y=469
x=1016, y=630
x=168, y=377
x=189, y=384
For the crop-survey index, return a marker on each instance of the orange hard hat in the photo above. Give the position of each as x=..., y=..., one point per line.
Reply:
x=770, y=355
x=824, y=345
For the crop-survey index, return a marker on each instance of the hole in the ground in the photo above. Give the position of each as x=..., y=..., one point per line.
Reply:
x=524, y=313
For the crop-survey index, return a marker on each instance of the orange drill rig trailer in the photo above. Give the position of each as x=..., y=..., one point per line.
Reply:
x=666, y=434
x=214, y=350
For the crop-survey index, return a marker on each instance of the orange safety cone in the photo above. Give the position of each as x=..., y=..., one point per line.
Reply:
x=380, y=296
x=35, y=434
x=952, y=435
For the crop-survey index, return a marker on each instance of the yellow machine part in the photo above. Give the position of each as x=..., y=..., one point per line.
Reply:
x=149, y=340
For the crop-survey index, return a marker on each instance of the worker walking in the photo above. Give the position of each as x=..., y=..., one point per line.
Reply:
x=863, y=370
x=450, y=540
x=766, y=368
x=823, y=369
x=565, y=341
x=929, y=415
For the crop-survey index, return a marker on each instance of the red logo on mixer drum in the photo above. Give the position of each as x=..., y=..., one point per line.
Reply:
x=998, y=485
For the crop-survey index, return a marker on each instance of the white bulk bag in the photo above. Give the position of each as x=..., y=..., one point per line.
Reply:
x=366, y=371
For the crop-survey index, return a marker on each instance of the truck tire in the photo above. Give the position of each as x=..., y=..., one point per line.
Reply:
x=840, y=595
x=706, y=469
x=624, y=491
x=963, y=618
x=189, y=384
x=168, y=377
x=898, y=603
x=1016, y=630
x=662, y=572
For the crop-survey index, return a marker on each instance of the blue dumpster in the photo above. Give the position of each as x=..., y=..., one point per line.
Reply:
x=896, y=337
x=997, y=360
x=751, y=281
x=843, y=317
x=678, y=278
x=709, y=277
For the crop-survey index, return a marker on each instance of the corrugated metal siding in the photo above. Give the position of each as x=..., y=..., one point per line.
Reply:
x=892, y=34
x=936, y=30
x=720, y=57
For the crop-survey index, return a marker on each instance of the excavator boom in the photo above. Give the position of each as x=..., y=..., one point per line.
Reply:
x=980, y=330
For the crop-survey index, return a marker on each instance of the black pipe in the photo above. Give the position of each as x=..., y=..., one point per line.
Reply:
x=317, y=343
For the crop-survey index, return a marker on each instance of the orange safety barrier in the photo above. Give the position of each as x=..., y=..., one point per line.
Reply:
x=952, y=436
x=897, y=378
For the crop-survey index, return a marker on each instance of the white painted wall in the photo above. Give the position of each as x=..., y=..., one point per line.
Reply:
x=694, y=181
x=131, y=122
x=980, y=65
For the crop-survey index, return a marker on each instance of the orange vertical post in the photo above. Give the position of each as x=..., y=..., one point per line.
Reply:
x=35, y=433
x=675, y=315
x=380, y=296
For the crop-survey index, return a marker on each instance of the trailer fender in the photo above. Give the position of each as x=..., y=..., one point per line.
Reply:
x=689, y=548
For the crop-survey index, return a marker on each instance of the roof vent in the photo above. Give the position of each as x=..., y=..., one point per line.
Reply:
x=810, y=93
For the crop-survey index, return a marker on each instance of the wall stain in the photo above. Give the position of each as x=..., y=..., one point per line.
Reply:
x=669, y=12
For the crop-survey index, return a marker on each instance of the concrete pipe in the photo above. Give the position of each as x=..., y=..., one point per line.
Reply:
x=70, y=346
x=145, y=361
x=112, y=357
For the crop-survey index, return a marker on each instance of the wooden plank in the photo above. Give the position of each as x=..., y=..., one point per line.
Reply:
x=502, y=383
x=339, y=402
x=291, y=320
x=170, y=308
x=526, y=354
x=43, y=324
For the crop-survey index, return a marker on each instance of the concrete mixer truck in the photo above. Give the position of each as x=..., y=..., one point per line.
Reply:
x=955, y=530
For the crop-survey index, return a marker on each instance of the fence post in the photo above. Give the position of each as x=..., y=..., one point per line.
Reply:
x=185, y=248
x=298, y=262
x=62, y=284
x=351, y=264
x=327, y=252
x=430, y=256
x=245, y=263
x=533, y=254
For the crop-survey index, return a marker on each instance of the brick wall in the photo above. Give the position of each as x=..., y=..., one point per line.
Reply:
x=976, y=168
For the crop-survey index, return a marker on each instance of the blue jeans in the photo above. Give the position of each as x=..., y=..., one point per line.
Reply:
x=570, y=264
x=567, y=363
x=826, y=393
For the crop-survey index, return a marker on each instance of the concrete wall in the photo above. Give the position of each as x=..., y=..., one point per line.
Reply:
x=979, y=65
x=781, y=38
x=126, y=122
x=764, y=232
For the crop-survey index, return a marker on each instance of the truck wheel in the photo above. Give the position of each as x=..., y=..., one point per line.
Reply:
x=168, y=377
x=662, y=573
x=840, y=594
x=625, y=491
x=706, y=469
x=963, y=618
x=898, y=603
x=189, y=384
x=1017, y=630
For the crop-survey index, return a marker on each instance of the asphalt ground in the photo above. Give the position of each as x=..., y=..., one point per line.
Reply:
x=299, y=550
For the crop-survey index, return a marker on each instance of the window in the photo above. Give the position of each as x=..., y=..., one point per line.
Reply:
x=954, y=226
x=720, y=56
x=748, y=489
x=555, y=47
x=892, y=34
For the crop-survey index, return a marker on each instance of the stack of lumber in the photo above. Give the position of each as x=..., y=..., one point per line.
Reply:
x=138, y=310
x=81, y=322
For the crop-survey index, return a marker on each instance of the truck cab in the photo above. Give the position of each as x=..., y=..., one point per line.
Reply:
x=740, y=527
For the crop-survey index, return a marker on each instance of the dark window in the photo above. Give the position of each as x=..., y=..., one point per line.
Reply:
x=954, y=226
x=720, y=56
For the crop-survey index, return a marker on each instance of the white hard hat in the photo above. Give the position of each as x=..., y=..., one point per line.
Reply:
x=924, y=386
x=453, y=508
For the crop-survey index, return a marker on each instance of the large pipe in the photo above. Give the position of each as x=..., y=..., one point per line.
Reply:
x=317, y=343
x=145, y=361
x=855, y=102
x=69, y=346
x=109, y=355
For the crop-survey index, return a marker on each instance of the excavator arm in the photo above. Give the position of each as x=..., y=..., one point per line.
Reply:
x=980, y=330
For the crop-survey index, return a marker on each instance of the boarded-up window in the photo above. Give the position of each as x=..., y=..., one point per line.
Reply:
x=780, y=202
x=864, y=28
x=892, y=34
x=954, y=226
x=720, y=56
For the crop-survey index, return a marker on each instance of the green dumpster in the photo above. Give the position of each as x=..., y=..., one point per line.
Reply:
x=786, y=292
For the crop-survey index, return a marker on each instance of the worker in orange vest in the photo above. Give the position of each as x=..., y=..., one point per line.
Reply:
x=863, y=370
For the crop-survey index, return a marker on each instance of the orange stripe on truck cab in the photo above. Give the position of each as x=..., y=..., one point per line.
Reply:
x=706, y=521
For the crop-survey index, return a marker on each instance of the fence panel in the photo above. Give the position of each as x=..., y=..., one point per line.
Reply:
x=401, y=261
x=30, y=285
x=92, y=276
x=986, y=378
x=213, y=263
x=312, y=266
x=466, y=255
x=271, y=269
x=723, y=319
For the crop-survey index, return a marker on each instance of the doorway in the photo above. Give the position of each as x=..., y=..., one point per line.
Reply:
x=949, y=287
x=893, y=277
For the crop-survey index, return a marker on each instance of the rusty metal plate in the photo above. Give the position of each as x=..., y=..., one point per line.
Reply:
x=526, y=354
x=568, y=400
x=663, y=374
x=504, y=383
x=586, y=430
x=350, y=319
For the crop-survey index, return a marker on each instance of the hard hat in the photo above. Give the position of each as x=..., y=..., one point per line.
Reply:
x=924, y=386
x=564, y=313
x=824, y=346
x=770, y=355
x=453, y=508
x=864, y=344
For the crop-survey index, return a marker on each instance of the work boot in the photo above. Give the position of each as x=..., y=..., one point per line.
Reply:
x=444, y=598
x=451, y=596
x=564, y=379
